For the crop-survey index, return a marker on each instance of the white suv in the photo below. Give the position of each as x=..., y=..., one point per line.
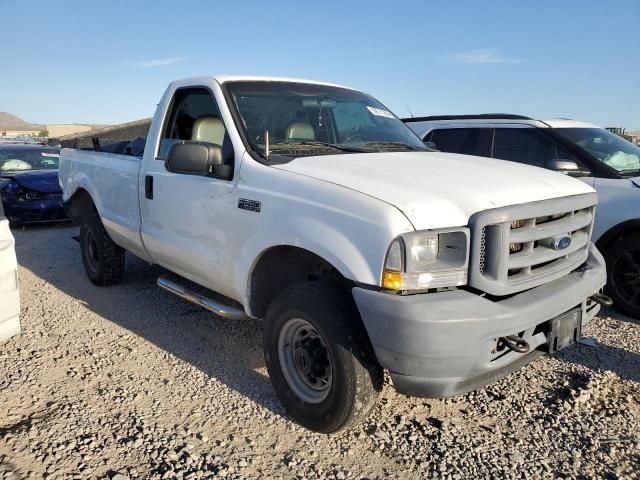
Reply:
x=600, y=158
x=9, y=297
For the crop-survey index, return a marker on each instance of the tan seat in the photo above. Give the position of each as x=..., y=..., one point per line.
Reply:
x=208, y=129
x=300, y=131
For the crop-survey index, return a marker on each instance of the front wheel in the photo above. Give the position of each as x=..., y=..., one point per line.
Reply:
x=319, y=358
x=623, y=275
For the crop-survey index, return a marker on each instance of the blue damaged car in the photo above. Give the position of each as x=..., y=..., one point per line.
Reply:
x=29, y=186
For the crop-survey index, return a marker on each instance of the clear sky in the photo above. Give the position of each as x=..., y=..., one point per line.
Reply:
x=109, y=61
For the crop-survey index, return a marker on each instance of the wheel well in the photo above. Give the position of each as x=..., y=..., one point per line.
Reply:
x=280, y=267
x=623, y=229
x=79, y=205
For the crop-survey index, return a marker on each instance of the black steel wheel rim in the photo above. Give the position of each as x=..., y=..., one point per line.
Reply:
x=625, y=276
x=91, y=253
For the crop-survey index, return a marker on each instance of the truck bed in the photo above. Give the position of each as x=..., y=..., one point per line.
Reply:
x=112, y=180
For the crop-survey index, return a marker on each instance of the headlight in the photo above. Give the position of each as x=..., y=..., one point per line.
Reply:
x=430, y=259
x=424, y=250
x=11, y=187
x=13, y=190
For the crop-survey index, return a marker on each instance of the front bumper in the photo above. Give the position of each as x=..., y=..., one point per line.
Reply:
x=34, y=211
x=443, y=344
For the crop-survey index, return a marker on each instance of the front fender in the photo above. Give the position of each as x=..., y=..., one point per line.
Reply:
x=349, y=230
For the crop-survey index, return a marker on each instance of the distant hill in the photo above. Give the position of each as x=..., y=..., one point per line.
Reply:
x=9, y=120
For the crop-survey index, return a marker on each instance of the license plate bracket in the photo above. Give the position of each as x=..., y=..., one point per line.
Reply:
x=564, y=330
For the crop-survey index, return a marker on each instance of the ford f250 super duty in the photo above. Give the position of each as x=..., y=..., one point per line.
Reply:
x=312, y=206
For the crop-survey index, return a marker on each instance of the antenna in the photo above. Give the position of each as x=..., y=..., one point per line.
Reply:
x=410, y=112
x=266, y=144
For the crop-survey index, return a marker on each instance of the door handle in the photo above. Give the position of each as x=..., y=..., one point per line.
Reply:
x=148, y=187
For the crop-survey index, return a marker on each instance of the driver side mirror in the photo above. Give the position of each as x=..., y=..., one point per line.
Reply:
x=567, y=167
x=430, y=145
x=197, y=158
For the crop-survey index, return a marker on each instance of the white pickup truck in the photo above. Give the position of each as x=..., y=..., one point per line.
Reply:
x=312, y=206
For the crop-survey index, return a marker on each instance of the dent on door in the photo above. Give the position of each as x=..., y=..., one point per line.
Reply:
x=9, y=297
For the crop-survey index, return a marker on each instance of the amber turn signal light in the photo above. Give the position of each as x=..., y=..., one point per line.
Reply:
x=392, y=280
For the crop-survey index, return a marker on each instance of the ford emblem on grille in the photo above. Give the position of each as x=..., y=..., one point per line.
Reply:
x=562, y=242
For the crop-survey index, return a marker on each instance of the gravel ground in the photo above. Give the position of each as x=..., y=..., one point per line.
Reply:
x=132, y=382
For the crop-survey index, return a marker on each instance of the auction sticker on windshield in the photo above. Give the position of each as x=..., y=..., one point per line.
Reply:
x=379, y=112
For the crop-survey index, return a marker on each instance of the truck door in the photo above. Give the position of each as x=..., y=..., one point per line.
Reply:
x=186, y=218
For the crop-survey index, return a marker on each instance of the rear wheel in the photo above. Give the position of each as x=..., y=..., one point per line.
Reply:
x=623, y=275
x=319, y=358
x=103, y=260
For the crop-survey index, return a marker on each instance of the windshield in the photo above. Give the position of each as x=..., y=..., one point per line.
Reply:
x=608, y=147
x=20, y=159
x=299, y=119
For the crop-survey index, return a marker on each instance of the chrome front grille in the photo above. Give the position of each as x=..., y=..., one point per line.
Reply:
x=533, y=245
x=523, y=246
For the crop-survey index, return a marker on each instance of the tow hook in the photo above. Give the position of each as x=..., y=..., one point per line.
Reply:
x=602, y=299
x=515, y=343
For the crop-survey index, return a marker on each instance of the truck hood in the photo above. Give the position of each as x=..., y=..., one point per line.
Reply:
x=45, y=181
x=438, y=190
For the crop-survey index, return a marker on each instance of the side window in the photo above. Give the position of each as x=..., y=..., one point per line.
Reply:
x=524, y=145
x=468, y=141
x=193, y=115
x=527, y=145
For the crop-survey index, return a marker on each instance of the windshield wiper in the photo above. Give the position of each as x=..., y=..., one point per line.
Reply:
x=343, y=148
x=399, y=144
x=629, y=172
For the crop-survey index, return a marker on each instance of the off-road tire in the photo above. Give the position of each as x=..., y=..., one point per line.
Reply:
x=623, y=262
x=356, y=375
x=103, y=260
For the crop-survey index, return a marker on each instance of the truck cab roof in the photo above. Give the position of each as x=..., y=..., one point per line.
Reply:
x=221, y=79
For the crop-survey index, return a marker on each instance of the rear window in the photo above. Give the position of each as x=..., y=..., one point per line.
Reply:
x=468, y=141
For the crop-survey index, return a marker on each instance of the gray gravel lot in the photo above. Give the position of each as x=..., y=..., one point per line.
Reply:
x=131, y=382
